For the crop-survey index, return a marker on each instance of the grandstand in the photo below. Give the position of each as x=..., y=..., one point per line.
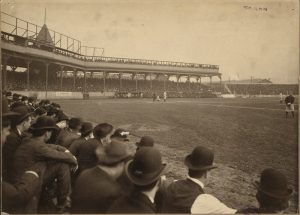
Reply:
x=55, y=62
x=255, y=87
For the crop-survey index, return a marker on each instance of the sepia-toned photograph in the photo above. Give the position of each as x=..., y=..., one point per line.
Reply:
x=153, y=106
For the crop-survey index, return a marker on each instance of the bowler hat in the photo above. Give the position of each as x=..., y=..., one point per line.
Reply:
x=61, y=116
x=23, y=114
x=113, y=153
x=6, y=113
x=145, y=141
x=40, y=111
x=16, y=104
x=44, y=123
x=201, y=158
x=75, y=122
x=273, y=183
x=121, y=133
x=146, y=166
x=86, y=128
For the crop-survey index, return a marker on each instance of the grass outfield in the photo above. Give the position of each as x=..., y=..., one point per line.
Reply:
x=247, y=135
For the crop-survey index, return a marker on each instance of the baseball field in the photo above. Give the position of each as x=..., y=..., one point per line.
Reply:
x=246, y=135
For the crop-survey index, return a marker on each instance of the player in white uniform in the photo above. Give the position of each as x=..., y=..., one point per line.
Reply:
x=165, y=96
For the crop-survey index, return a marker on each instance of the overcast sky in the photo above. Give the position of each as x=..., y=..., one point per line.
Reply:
x=245, y=38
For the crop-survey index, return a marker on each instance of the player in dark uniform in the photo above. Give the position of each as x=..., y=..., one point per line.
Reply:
x=289, y=102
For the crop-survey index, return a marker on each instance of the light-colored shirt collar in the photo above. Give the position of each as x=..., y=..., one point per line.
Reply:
x=197, y=181
x=149, y=197
x=19, y=132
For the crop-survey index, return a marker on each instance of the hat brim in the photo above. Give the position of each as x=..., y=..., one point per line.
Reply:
x=147, y=179
x=188, y=163
x=44, y=128
x=110, y=161
x=10, y=114
x=282, y=195
x=21, y=119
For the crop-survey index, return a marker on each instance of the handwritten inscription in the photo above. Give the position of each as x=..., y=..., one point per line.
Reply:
x=255, y=8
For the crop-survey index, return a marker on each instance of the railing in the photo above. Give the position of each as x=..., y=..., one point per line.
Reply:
x=15, y=29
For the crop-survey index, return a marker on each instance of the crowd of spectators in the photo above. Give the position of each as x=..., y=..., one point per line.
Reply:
x=53, y=163
x=263, y=89
x=18, y=81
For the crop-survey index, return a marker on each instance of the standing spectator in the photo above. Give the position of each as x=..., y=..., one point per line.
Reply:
x=86, y=133
x=67, y=136
x=15, y=197
x=289, y=102
x=96, y=188
x=57, y=158
x=273, y=193
x=187, y=196
x=19, y=125
x=144, y=172
x=146, y=141
x=87, y=157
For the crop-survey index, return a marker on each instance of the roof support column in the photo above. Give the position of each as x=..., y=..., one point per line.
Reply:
x=74, y=79
x=134, y=76
x=178, y=78
x=189, y=82
x=61, y=76
x=4, y=72
x=28, y=71
x=84, y=85
x=120, y=80
x=210, y=81
x=46, y=86
x=151, y=81
x=164, y=82
x=104, y=81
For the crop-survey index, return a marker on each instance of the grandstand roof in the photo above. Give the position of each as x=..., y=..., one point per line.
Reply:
x=44, y=36
x=249, y=81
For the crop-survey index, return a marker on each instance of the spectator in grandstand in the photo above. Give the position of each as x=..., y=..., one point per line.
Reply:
x=289, y=102
x=19, y=126
x=146, y=141
x=58, y=159
x=68, y=135
x=96, y=188
x=273, y=193
x=144, y=171
x=187, y=196
x=87, y=157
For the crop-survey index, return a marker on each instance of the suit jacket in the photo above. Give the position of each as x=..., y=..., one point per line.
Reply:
x=180, y=196
x=66, y=137
x=135, y=203
x=87, y=157
x=32, y=150
x=75, y=145
x=15, y=197
x=13, y=141
x=94, y=192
